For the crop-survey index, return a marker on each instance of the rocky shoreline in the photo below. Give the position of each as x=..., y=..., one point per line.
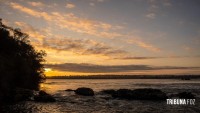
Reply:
x=85, y=100
x=137, y=94
x=127, y=94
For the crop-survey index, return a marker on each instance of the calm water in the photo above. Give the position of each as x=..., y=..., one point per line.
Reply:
x=55, y=85
x=68, y=102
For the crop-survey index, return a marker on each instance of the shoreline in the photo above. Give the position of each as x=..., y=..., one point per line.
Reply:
x=68, y=101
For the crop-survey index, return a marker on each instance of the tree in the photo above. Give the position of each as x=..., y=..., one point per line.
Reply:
x=21, y=66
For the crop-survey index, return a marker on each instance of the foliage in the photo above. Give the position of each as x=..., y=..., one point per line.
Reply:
x=20, y=64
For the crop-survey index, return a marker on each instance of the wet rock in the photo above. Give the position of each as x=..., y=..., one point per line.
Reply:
x=43, y=93
x=148, y=94
x=187, y=95
x=84, y=91
x=140, y=94
x=109, y=91
x=123, y=94
x=44, y=97
x=69, y=90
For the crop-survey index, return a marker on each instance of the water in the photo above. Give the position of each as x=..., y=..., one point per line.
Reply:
x=54, y=85
x=101, y=103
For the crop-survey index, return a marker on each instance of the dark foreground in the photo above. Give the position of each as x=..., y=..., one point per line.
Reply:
x=102, y=102
x=125, y=102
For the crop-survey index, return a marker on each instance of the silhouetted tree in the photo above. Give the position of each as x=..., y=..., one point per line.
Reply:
x=20, y=64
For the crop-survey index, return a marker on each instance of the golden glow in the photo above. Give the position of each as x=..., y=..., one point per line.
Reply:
x=68, y=36
x=47, y=69
x=63, y=73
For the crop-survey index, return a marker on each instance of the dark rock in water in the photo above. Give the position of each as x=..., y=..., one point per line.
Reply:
x=84, y=91
x=140, y=94
x=44, y=97
x=43, y=93
x=123, y=94
x=109, y=91
x=69, y=90
x=187, y=95
x=149, y=94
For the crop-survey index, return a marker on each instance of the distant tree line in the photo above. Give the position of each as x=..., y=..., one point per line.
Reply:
x=126, y=77
x=20, y=64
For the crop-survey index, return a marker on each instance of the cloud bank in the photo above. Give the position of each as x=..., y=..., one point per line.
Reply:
x=92, y=68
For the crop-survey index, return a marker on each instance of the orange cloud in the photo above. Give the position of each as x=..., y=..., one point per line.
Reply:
x=73, y=23
x=82, y=25
x=36, y=4
x=36, y=36
x=144, y=45
x=82, y=47
x=77, y=46
x=70, y=5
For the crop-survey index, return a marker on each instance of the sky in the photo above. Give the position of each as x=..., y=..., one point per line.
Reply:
x=129, y=37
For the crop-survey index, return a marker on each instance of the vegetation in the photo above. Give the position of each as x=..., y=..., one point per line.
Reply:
x=20, y=64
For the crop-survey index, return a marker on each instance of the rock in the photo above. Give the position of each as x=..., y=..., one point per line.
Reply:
x=43, y=93
x=140, y=94
x=123, y=94
x=109, y=91
x=187, y=95
x=148, y=94
x=69, y=90
x=84, y=91
x=44, y=97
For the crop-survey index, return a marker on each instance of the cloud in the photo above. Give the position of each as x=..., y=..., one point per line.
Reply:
x=144, y=45
x=35, y=34
x=92, y=4
x=151, y=15
x=82, y=46
x=72, y=22
x=138, y=58
x=149, y=57
x=70, y=5
x=81, y=25
x=60, y=43
x=92, y=68
x=24, y=9
x=187, y=48
x=36, y=4
x=155, y=7
x=167, y=3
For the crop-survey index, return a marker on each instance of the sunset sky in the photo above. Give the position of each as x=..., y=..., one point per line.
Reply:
x=84, y=37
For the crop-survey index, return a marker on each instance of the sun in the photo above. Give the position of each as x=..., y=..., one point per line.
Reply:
x=48, y=69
